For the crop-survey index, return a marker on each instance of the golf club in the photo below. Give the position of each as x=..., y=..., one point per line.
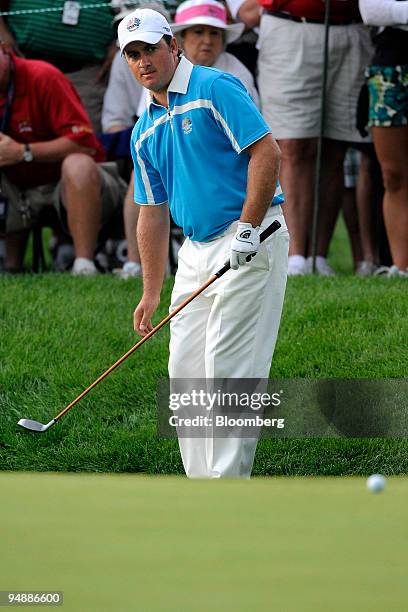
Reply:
x=40, y=427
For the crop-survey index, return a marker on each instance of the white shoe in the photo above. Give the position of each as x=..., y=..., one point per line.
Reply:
x=322, y=267
x=390, y=272
x=131, y=269
x=296, y=265
x=365, y=268
x=83, y=267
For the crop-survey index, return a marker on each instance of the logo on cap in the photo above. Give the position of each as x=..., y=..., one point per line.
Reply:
x=133, y=24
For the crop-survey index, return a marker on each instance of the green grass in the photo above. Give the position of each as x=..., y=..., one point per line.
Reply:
x=340, y=254
x=59, y=333
x=120, y=543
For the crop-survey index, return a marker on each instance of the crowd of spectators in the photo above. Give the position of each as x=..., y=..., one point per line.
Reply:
x=67, y=98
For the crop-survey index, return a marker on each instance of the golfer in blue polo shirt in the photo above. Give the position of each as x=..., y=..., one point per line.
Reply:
x=202, y=150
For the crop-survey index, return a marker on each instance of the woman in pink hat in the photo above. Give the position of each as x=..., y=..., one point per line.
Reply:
x=203, y=32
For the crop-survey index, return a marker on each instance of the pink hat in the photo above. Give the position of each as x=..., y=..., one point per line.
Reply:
x=205, y=12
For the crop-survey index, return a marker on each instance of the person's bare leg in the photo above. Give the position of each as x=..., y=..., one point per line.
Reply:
x=130, y=216
x=297, y=175
x=16, y=244
x=349, y=209
x=365, y=197
x=81, y=189
x=391, y=145
x=332, y=187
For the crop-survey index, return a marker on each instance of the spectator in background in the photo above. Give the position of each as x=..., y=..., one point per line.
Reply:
x=290, y=63
x=245, y=47
x=67, y=39
x=364, y=192
x=362, y=208
x=202, y=30
x=6, y=36
x=49, y=157
x=387, y=79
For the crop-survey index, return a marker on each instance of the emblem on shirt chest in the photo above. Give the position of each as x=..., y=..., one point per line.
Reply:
x=24, y=127
x=187, y=125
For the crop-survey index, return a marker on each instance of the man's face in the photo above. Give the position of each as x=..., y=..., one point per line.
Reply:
x=203, y=44
x=152, y=65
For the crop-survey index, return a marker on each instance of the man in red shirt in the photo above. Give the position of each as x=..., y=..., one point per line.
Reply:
x=49, y=156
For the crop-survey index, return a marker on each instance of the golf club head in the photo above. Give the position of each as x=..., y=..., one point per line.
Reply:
x=35, y=425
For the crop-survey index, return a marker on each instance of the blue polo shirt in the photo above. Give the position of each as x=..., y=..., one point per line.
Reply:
x=192, y=155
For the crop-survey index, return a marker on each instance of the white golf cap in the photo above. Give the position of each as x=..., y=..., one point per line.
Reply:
x=144, y=25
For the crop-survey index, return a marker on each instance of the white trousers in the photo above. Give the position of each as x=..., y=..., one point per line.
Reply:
x=229, y=331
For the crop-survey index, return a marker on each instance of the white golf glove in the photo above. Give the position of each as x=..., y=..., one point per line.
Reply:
x=244, y=243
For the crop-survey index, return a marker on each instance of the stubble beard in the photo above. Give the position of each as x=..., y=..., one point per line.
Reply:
x=161, y=89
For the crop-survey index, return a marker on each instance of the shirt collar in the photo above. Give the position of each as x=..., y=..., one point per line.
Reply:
x=179, y=82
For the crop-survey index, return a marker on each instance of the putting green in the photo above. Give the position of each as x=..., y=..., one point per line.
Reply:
x=126, y=542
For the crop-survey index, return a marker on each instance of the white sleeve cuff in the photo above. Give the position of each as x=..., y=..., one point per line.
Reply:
x=384, y=12
x=400, y=12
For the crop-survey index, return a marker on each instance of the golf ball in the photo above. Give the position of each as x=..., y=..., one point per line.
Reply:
x=376, y=483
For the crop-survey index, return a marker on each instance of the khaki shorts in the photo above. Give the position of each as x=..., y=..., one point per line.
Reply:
x=290, y=64
x=25, y=205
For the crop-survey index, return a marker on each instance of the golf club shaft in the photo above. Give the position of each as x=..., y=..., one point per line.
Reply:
x=264, y=235
x=136, y=346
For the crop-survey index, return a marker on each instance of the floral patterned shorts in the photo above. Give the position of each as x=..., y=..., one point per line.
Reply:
x=388, y=90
